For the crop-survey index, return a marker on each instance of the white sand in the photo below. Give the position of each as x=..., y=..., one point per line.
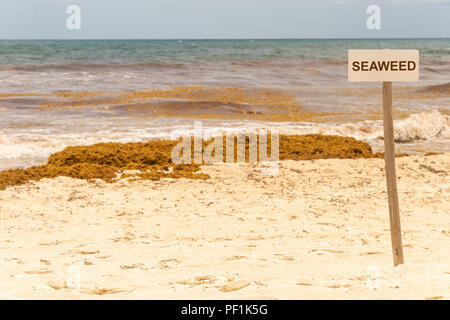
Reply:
x=315, y=230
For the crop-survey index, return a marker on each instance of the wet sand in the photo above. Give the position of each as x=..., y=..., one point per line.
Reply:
x=316, y=230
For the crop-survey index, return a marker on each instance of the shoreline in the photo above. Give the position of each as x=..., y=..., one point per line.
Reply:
x=34, y=127
x=158, y=159
x=319, y=229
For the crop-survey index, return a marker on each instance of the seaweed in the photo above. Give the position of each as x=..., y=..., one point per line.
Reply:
x=152, y=160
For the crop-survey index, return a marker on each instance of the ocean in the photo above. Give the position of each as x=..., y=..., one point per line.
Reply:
x=59, y=93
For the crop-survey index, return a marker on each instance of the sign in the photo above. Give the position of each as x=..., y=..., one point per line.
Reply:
x=387, y=66
x=383, y=65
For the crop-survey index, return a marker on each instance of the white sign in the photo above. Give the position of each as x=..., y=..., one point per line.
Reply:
x=383, y=65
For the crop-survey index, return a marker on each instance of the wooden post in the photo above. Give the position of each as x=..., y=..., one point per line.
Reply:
x=391, y=179
x=385, y=66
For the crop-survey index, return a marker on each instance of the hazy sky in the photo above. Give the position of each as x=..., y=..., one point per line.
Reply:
x=177, y=19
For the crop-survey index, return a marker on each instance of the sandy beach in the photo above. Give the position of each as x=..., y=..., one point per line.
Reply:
x=203, y=150
x=315, y=230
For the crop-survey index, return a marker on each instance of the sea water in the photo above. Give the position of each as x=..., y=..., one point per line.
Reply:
x=313, y=71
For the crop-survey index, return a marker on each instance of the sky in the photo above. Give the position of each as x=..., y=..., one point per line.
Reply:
x=217, y=19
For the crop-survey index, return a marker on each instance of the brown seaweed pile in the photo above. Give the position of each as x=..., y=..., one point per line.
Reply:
x=152, y=160
x=316, y=146
x=261, y=96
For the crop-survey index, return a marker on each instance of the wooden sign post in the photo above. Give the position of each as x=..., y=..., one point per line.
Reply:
x=387, y=66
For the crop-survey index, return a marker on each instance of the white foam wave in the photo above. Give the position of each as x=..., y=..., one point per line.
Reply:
x=425, y=126
x=421, y=126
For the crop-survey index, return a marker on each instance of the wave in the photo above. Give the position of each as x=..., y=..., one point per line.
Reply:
x=289, y=63
x=428, y=127
x=85, y=66
x=41, y=143
x=420, y=126
x=434, y=70
x=441, y=51
x=436, y=88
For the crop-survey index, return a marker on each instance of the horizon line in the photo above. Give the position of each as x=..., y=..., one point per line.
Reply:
x=215, y=39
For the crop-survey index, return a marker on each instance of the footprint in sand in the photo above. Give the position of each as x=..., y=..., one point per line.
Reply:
x=81, y=252
x=57, y=284
x=54, y=243
x=235, y=258
x=284, y=257
x=326, y=251
x=336, y=286
x=207, y=281
x=72, y=282
x=234, y=286
x=103, y=257
x=260, y=283
x=168, y=263
x=46, y=262
x=16, y=260
x=103, y=291
x=139, y=266
x=306, y=284
x=202, y=280
x=39, y=271
x=370, y=253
